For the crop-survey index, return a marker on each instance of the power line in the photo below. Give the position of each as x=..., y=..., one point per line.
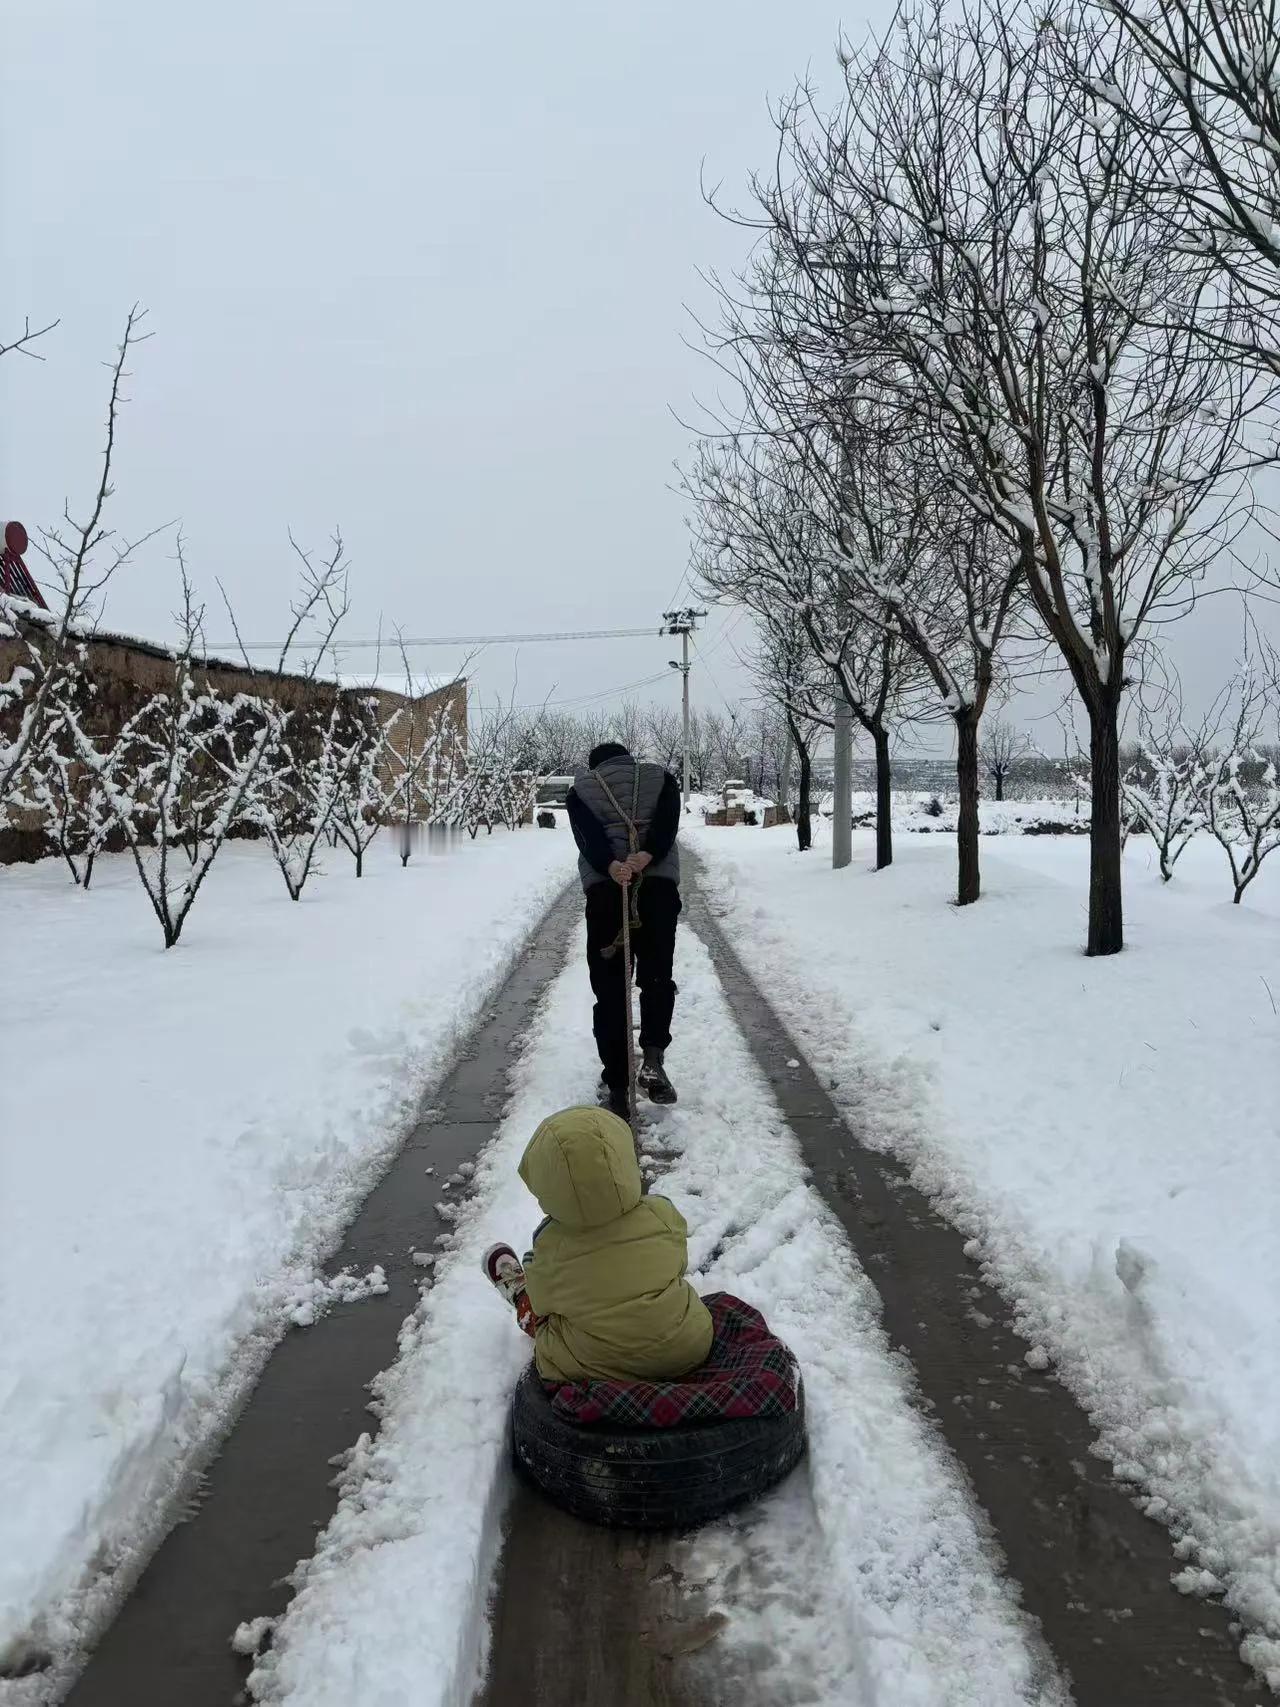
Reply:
x=586, y=698
x=393, y=643
x=725, y=632
x=680, y=585
x=702, y=657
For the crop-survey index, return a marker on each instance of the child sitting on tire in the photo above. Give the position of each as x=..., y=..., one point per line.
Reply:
x=603, y=1291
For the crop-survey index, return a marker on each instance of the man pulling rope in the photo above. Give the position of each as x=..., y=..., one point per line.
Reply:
x=616, y=847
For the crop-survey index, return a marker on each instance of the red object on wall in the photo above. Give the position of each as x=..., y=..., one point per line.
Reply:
x=15, y=577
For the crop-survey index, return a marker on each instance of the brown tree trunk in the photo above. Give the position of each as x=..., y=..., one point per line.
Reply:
x=884, y=800
x=1106, y=904
x=970, y=882
x=999, y=783
x=804, y=803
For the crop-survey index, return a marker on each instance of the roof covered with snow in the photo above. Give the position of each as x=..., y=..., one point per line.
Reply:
x=394, y=681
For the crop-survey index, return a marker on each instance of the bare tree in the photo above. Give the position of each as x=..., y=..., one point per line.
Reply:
x=965, y=237
x=768, y=539
x=358, y=812
x=562, y=741
x=1003, y=744
x=701, y=746
x=425, y=762
x=502, y=770
x=664, y=734
x=1213, y=142
x=787, y=669
x=921, y=566
x=300, y=788
x=68, y=798
x=83, y=556
x=726, y=729
x=630, y=726
x=1243, y=810
x=189, y=726
x=1165, y=787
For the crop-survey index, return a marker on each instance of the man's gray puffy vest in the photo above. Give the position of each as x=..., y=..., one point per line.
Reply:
x=621, y=775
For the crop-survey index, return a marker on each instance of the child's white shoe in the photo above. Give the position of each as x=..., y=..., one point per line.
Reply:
x=505, y=1270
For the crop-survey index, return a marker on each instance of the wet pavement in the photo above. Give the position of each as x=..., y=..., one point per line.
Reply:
x=267, y=1494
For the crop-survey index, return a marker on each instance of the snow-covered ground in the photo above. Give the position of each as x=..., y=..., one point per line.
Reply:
x=892, y=1600
x=932, y=814
x=184, y=1135
x=1108, y=1131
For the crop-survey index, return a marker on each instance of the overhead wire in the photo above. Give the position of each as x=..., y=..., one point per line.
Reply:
x=715, y=684
x=587, y=698
x=394, y=642
x=725, y=632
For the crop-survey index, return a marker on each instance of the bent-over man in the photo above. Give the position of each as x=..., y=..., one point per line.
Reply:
x=625, y=816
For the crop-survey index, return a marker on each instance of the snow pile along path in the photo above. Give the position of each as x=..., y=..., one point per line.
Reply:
x=391, y=1607
x=870, y=1581
x=1104, y=1130
x=185, y=1136
x=867, y=1581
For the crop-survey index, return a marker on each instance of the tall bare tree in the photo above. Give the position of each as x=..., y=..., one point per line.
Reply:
x=787, y=670
x=966, y=236
x=767, y=538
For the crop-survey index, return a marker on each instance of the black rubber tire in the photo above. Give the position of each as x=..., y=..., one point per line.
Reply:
x=651, y=1478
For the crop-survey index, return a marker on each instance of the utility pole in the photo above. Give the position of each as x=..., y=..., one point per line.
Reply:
x=842, y=800
x=683, y=623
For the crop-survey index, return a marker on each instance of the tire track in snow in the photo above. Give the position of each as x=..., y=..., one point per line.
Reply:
x=868, y=1579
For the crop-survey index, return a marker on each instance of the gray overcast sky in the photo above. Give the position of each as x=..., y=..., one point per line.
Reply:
x=417, y=271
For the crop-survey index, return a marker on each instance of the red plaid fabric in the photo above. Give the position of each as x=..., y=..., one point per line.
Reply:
x=748, y=1373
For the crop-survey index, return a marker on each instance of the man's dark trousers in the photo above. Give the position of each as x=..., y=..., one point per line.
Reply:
x=652, y=952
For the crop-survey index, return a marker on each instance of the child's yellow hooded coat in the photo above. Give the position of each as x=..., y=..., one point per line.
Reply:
x=607, y=1269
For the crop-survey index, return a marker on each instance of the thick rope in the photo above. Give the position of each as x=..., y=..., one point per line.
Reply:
x=631, y=1035
x=630, y=922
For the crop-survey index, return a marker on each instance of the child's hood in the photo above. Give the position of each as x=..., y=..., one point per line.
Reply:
x=581, y=1166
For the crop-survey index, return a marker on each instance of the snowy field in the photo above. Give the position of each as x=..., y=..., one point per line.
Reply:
x=933, y=814
x=1107, y=1131
x=185, y=1135
x=866, y=1581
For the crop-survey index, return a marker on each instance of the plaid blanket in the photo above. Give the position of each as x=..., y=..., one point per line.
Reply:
x=748, y=1373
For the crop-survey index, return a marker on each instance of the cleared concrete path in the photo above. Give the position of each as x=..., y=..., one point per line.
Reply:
x=267, y=1493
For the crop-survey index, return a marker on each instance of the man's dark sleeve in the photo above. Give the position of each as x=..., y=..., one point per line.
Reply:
x=665, y=823
x=589, y=833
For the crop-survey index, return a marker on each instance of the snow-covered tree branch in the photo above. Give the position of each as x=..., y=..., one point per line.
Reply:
x=967, y=242
x=83, y=556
